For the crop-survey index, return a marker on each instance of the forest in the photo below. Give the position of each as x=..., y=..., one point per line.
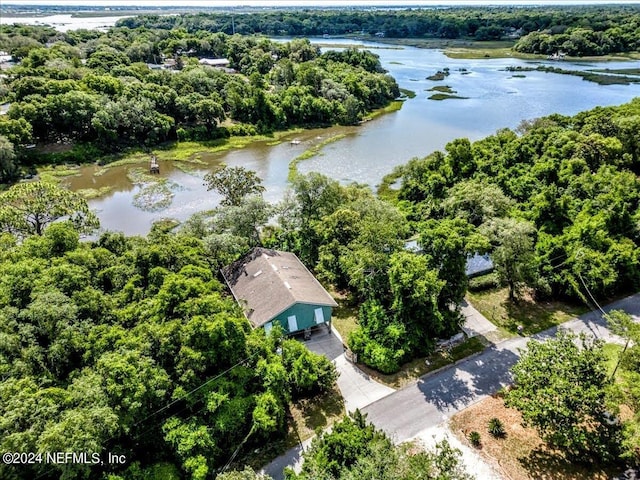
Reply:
x=556, y=203
x=100, y=93
x=133, y=345
x=576, y=30
x=557, y=200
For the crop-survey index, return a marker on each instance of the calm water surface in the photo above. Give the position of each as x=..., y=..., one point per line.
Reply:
x=495, y=99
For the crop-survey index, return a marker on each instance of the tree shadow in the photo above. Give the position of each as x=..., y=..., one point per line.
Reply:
x=319, y=410
x=545, y=464
x=458, y=385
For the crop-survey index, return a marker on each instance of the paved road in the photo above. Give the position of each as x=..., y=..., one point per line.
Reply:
x=434, y=398
x=291, y=458
x=357, y=388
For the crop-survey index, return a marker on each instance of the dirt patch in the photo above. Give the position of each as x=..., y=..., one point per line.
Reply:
x=521, y=454
x=314, y=413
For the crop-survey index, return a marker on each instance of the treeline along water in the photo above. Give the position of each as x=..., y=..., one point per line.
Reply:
x=494, y=99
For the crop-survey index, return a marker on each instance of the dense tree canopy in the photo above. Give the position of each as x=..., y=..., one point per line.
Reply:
x=576, y=30
x=132, y=346
x=559, y=202
x=104, y=92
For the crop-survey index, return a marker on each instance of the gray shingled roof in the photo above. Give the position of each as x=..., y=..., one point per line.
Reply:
x=267, y=282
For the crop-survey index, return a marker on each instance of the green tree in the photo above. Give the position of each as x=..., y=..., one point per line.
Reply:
x=560, y=389
x=8, y=166
x=415, y=289
x=243, y=221
x=308, y=373
x=449, y=243
x=28, y=208
x=476, y=201
x=621, y=323
x=513, y=257
x=234, y=184
x=356, y=450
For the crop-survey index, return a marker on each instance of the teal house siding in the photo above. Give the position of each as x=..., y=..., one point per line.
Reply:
x=275, y=287
x=305, y=317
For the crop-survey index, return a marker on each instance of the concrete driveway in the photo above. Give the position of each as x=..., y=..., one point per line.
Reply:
x=474, y=322
x=358, y=389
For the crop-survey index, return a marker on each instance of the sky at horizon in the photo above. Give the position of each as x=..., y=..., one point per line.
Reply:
x=307, y=3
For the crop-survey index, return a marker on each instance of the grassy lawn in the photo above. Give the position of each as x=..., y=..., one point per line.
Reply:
x=521, y=454
x=345, y=317
x=413, y=370
x=304, y=417
x=533, y=316
x=344, y=320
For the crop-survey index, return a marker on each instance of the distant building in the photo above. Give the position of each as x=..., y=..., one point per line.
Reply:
x=214, y=62
x=170, y=63
x=274, y=287
x=476, y=266
x=559, y=55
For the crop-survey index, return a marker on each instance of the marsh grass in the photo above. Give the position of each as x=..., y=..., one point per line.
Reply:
x=310, y=153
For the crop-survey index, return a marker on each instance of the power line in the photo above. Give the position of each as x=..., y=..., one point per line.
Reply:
x=604, y=314
x=169, y=405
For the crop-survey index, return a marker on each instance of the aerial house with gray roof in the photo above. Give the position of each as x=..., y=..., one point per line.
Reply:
x=275, y=287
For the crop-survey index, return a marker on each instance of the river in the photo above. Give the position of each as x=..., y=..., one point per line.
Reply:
x=495, y=99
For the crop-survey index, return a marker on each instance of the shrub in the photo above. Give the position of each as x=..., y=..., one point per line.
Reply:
x=242, y=130
x=308, y=373
x=496, y=428
x=485, y=282
x=373, y=354
x=474, y=438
